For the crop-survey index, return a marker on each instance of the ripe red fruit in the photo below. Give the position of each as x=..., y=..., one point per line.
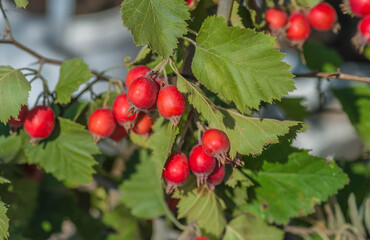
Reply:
x=121, y=114
x=142, y=93
x=176, y=171
x=201, y=164
x=360, y=8
x=298, y=28
x=101, y=123
x=18, y=122
x=202, y=238
x=275, y=18
x=217, y=176
x=118, y=134
x=39, y=123
x=171, y=104
x=364, y=28
x=143, y=124
x=136, y=72
x=322, y=17
x=216, y=143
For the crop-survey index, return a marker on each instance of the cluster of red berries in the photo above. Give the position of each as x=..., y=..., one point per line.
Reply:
x=206, y=161
x=146, y=93
x=361, y=8
x=297, y=27
x=38, y=123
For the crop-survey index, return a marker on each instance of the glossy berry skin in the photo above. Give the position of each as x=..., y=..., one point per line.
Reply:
x=142, y=93
x=217, y=176
x=101, y=123
x=118, y=134
x=201, y=164
x=275, y=18
x=120, y=107
x=143, y=124
x=136, y=72
x=364, y=28
x=360, y=8
x=298, y=27
x=18, y=122
x=176, y=171
x=39, y=122
x=171, y=103
x=216, y=143
x=322, y=17
x=202, y=238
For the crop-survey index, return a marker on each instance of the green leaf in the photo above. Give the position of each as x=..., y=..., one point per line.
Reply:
x=247, y=135
x=119, y=217
x=290, y=188
x=203, y=207
x=236, y=177
x=143, y=192
x=9, y=147
x=139, y=140
x=240, y=65
x=68, y=153
x=4, y=180
x=356, y=103
x=4, y=222
x=21, y=3
x=156, y=22
x=247, y=227
x=161, y=142
x=73, y=73
x=321, y=58
x=308, y=3
x=14, y=92
x=241, y=16
x=293, y=108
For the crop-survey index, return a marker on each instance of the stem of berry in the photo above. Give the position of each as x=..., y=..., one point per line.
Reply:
x=108, y=94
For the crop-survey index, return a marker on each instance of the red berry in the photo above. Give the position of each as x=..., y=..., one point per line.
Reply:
x=142, y=93
x=217, y=176
x=322, y=17
x=202, y=238
x=298, y=27
x=101, y=123
x=216, y=143
x=364, y=28
x=176, y=171
x=188, y=2
x=360, y=8
x=201, y=164
x=118, y=134
x=275, y=18
x=18, y=122
x=122, y=116
x=143, y=124
x=136, y=72
x=39, y=123
x=171, y=103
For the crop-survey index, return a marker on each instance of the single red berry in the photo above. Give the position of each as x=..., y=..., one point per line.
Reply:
x=188, y=2
x=171, y=103
x=39, y=123
x=217, y=176
x=118, y=134
x=298, y=27
x=275, y=18
x=322, y=17
x=136, y=72
x=143, y=124
x=201, y=164
x=216, y=143
x=176, y=171
x=202, y=238
x=101, y=123
x=142, y=93
x=121, y=114
x=364, y=28
x=18, y=122
x=360, y=8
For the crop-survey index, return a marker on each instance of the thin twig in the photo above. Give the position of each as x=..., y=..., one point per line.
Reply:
x=224, y=8
x=334, y=75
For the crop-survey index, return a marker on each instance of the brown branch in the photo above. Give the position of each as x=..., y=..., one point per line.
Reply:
x=302, y=231
x=334, y=75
